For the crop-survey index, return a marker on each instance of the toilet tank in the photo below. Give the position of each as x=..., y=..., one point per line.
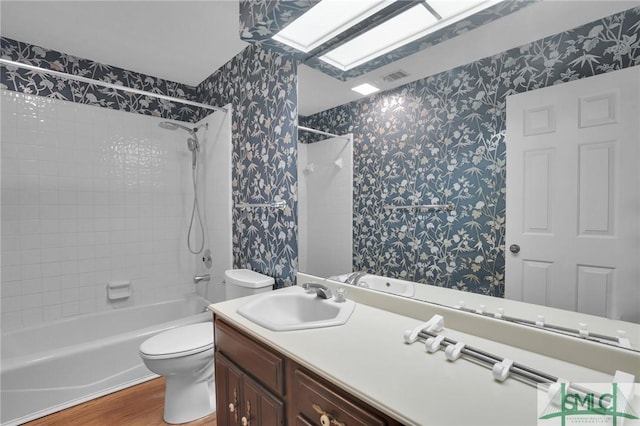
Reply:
x=245, y=282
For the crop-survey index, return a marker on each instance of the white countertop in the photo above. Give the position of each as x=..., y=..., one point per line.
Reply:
x=368, y=358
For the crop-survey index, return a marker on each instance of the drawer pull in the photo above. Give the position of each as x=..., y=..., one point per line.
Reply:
x=246, y=420
x=233, y=405
x=325, y=418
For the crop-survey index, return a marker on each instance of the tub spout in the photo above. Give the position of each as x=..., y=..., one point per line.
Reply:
x=199, y=278
x=355, y=277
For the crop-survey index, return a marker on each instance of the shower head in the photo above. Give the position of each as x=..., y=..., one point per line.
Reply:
x=192, y=141
x=168, y=125
x=193, y=144
x=194, y=147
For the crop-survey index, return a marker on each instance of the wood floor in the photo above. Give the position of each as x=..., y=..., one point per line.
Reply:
x=140, y=405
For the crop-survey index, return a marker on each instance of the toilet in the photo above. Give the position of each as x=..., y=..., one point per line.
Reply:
x=245, y=282
x=184, y=355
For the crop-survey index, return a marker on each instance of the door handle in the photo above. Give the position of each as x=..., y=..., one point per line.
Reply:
x=514, y=248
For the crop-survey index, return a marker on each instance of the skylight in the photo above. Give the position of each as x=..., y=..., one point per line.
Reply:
x=387, y=36
x=404, y=28
x=326, y=20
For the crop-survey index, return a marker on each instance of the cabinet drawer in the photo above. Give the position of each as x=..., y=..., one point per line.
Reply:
x=262, y=363
x=313, y=398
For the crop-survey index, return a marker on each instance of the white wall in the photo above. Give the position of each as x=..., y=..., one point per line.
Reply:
x=89, y=195
x=214, y=188
x=325, y=207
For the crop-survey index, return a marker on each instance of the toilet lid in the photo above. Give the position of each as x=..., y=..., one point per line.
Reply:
x=180, y=341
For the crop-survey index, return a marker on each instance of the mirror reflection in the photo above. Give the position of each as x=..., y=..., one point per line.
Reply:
x=445, y=139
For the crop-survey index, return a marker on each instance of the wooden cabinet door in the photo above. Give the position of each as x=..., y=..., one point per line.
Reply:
x=259, y=406
x=228, y=392
x=243, y=401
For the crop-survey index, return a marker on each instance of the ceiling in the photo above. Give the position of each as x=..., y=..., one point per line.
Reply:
x=185, y=41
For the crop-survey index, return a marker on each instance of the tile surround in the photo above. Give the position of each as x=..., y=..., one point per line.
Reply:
x=89, y=195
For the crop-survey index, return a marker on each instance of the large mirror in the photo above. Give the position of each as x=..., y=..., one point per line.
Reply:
x=441, y=140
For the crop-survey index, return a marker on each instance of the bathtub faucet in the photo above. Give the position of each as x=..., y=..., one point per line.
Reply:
x=355, y=277
x=200, y=278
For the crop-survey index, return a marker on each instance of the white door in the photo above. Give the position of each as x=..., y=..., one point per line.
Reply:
x=573, y=196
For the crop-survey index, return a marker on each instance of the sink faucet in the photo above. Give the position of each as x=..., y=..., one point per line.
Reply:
x=355, y=277
x=322, y=291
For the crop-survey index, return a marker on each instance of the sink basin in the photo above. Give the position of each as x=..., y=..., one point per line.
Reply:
x=294, y=309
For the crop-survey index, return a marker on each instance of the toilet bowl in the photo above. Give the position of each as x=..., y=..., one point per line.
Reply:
x=184, y=356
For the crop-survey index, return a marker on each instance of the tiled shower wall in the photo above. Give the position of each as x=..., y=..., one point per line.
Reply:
x=89, y=195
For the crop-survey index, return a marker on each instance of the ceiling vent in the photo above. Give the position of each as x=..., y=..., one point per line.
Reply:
x=396, y=75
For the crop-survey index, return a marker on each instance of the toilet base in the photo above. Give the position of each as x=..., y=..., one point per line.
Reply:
x=185, y=401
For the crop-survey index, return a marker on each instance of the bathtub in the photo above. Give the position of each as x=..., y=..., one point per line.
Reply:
x=57, y=365
x=380, y=283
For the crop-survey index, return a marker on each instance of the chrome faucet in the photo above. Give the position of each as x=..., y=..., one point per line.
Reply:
x=355, y=277
x=322, y=291
x=200, y=278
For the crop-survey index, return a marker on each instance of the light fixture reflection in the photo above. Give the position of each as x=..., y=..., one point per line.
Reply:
x=365, y=89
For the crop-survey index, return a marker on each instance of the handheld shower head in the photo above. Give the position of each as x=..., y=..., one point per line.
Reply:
x=194, y=147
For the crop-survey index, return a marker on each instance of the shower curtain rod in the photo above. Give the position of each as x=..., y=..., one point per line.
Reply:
x=320, y=132
x=65, y=75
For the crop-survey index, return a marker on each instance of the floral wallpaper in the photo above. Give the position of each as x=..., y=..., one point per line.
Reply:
x=31, y=82
x=262, y=88
x=442, y=140
x=261, y=19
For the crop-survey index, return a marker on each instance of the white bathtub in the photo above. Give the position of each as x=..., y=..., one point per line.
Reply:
x=380, y=283
x=54, y=366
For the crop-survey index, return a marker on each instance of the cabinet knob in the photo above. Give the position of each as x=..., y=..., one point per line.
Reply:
x=244, y=421
x=325, y=418
x=232, y=408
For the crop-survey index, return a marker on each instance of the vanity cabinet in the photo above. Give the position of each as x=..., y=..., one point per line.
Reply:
x=256, y=385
